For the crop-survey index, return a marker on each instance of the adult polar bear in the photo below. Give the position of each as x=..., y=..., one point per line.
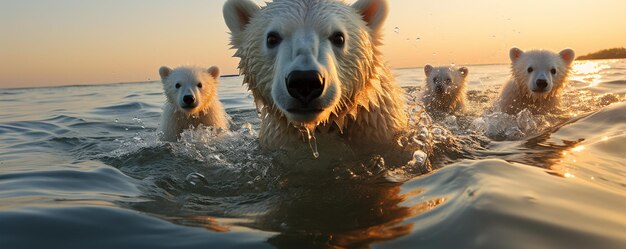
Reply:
x=316, y=63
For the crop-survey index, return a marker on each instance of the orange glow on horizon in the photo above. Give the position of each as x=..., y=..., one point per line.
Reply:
x=98, y=42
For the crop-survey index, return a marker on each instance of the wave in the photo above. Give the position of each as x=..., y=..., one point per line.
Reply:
x=490, y=203
x=124, y=108
x=87, y=223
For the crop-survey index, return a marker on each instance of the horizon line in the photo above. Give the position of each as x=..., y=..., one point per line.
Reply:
x=223, y=76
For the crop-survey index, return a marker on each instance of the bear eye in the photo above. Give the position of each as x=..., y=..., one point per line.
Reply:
x=553, y=71
x=273, y=40
x=448, y=81
x=337, y=39
x=435, y=79
x=199, y=84
x=177, y=85
x=530, y=70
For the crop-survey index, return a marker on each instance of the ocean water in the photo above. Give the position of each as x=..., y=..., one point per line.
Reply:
x=81, y=167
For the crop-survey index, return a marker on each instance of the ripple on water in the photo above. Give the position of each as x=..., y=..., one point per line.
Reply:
x=65, y=186
x=124, y=108
x=80, y=226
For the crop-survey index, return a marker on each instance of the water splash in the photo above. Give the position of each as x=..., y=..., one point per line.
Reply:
x=503, y=126
x=419, y=159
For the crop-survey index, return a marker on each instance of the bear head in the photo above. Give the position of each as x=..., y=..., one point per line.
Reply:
x=445, y=80
x=189, y=89
x=540, y=73
x=306, y=60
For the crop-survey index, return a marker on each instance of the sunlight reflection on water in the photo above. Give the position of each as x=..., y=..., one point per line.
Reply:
x=589, y=71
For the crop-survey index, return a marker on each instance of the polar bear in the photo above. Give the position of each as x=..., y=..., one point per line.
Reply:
x=538, y=79
x=192, y=100
x=317, y=65
x=445, y=89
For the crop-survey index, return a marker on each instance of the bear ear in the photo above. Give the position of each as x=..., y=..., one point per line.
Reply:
x=214, y=71
x=164, y=72
x=464, y=71
x=428, y=69
x=374, y=12
x=237, y=14
x=567, y=55
x=515, y=54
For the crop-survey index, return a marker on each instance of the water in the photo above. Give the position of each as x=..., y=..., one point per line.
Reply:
x=80, y=167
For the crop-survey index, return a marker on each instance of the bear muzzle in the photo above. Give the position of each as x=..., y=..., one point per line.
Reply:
x=440, y=88
x=305, y=86
x=541, y=85
x=189, y=102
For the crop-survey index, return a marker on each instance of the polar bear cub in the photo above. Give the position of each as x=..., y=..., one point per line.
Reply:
x=192, y=100
x=538, y=78
x=445, y=89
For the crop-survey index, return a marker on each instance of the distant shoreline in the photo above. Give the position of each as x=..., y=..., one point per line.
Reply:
x=229, y=76
x=606, y=54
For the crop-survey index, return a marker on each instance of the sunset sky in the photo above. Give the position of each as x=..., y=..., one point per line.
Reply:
x=65, y=42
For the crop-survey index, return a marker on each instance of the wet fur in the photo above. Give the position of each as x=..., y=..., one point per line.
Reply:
x=370, y=109
x=517, y=95
x=452, y=99
x=209, y=112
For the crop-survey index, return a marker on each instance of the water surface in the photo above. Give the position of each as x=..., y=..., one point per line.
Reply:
x=80, y=167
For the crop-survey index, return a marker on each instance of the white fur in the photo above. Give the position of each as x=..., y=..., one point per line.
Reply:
x=360, y=101
x=208, y=110
x=445, y=89
x=521, y=92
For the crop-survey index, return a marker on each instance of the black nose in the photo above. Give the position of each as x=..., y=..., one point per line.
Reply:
x=305, y=85
x=439, y=88
x=189, y=99
x=542, y=84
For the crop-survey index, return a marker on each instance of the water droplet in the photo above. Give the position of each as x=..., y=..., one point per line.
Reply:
x=117, y=120
x=397, y=30
x=308, y=130
x=196, y=180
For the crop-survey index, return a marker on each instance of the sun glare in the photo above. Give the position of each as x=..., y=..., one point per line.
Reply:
x=578, y=148
x=589, y=71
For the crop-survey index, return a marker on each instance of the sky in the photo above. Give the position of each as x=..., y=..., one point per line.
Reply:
x=72, y=42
